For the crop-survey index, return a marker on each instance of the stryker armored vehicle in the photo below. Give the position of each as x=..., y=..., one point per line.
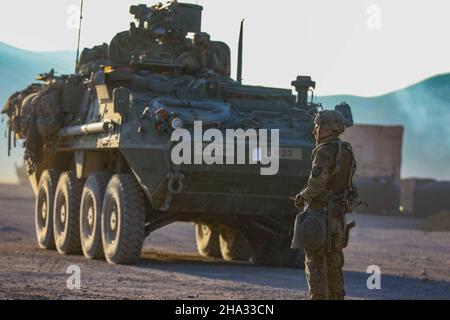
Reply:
x=99, y=146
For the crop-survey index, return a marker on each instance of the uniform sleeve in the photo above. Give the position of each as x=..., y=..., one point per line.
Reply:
x=322, y=167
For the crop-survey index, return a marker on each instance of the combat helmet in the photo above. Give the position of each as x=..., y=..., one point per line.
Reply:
x=310, y=231
x=331, y=119
x=202, y=39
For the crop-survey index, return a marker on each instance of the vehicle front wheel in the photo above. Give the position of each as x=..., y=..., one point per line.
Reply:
x=293, y=258
x=270, y=251
x=265, y=251
x=91, y=215
x=123, y=220
x=44, y=209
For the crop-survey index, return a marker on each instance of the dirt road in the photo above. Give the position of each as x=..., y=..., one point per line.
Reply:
x=414, y=264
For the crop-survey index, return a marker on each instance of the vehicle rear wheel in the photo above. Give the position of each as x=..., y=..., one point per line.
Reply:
x=90, y=215
x=44, y=209
x=233, y=244
x=207, y=239
x=66, y=214
x=123, y=220
x=265, y=251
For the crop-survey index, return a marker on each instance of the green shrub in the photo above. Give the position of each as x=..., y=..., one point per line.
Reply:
x=437, y=222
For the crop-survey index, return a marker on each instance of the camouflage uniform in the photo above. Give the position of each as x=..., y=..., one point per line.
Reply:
x=332, y=170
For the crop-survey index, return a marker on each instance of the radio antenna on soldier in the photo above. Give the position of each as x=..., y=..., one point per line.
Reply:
x=79, y=36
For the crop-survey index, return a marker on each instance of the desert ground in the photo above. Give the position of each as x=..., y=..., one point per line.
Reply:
x=414, y=264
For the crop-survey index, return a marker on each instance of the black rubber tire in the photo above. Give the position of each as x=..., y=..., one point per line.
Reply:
x=91, y=215
x=43, y=216
x=207, y=240
x=123, y=220
x=233, y=244
x=66, y=214
x=265, y=251
x=272, y=252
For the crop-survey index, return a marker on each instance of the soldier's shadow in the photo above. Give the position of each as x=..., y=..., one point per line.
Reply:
x=392, y=287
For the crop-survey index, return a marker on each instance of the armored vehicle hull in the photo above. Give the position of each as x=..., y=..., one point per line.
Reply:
x=103, y=147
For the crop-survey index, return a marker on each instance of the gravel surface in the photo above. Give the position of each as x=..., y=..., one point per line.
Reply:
x=414, y=264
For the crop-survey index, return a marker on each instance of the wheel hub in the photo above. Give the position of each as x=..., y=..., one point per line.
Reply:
x=113, y=220
x=44, y=210
x=63, y=214
x=90, y=216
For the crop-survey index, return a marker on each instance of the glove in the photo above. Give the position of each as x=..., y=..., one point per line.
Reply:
x=299, y=202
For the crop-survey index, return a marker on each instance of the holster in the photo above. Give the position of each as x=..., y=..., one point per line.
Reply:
x=348, y=227
x=334, y=207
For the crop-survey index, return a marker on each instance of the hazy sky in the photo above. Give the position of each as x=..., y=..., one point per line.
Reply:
x=357, y=47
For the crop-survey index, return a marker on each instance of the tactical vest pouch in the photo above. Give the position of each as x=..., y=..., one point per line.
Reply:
x=310, y=230
x=71, y=98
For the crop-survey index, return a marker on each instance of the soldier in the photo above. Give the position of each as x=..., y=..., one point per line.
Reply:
x=328, y=196
x=207, y=55
x=154, y=38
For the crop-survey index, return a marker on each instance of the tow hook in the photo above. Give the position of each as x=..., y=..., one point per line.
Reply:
x=175, y=184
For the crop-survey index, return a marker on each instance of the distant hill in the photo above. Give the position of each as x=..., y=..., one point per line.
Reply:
x=19, y=68
x=424, y=110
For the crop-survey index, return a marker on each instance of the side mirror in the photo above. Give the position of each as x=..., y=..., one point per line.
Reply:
x=346, y=111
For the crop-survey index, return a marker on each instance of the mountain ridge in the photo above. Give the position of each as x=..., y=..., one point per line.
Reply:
x=433, y=81
x=423, y=108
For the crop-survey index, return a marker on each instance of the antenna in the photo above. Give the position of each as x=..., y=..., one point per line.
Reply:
x=79, y=36
x=241, y=45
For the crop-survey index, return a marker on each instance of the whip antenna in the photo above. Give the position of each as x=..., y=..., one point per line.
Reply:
x=240, y=49
x=79, y=36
